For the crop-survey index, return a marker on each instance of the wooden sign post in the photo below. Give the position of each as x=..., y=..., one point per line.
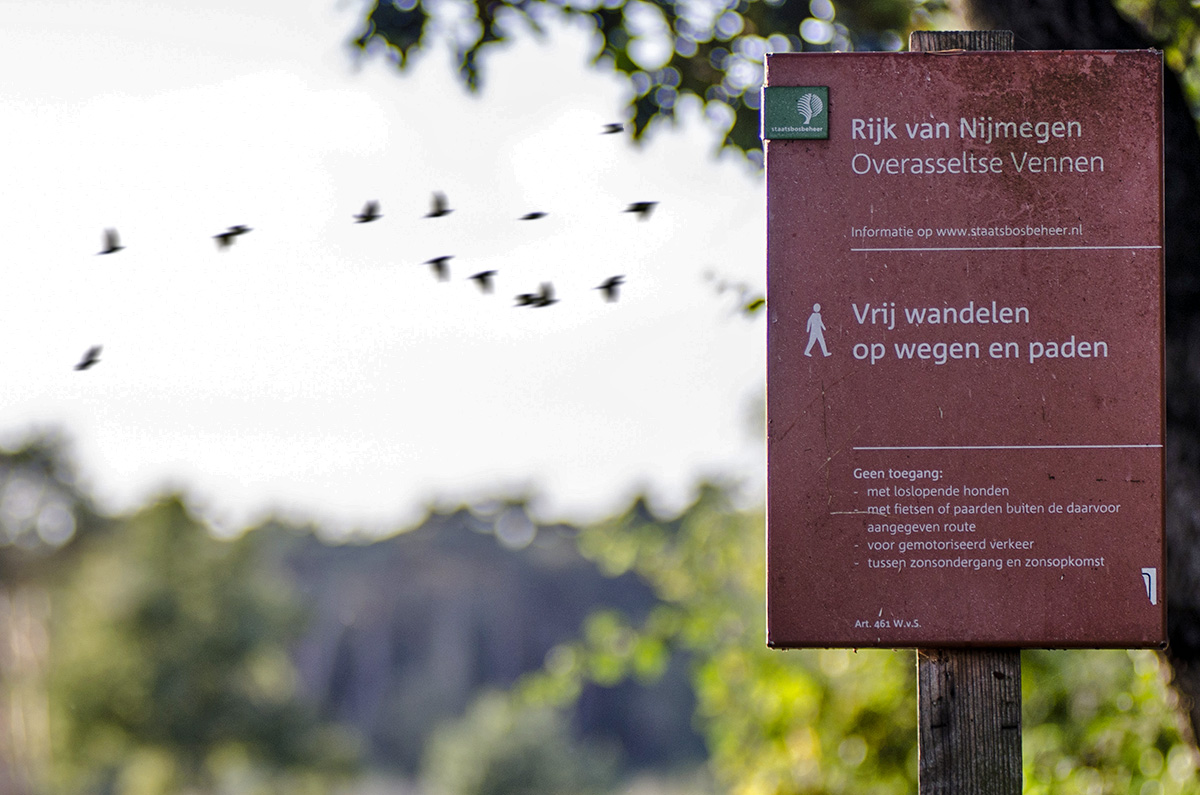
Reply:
x=968, y=700
x=965, y=431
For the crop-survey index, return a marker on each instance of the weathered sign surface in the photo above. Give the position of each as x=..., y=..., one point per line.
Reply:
x=965, y=349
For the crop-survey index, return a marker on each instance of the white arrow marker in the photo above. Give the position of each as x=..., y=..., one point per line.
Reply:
x=1150, y=577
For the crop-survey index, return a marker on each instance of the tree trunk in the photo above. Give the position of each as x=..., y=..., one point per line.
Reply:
x=24, y=711
x=1096, y=24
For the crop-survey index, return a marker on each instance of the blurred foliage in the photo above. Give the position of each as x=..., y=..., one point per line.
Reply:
x=710, y=50
x=500, y=747
x=1175, y=26
x=829, y=721
x=836, y=720
x=169, y=669
x=45, y=518
x=1103, y=721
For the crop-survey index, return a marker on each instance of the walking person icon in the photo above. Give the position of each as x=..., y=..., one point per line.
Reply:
x=816, y=331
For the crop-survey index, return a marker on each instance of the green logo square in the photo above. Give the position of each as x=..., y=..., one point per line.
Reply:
x=795, y=112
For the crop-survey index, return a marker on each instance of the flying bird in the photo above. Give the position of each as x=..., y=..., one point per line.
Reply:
x=754, y=305
x=438, y=206
x=484, y=280
x=112, y=242
x=532, y=216
x=545, y=296
x=370, y=212
x=614, y=127
x=441, y=266
x=643, y=209
x=90, y=357
x=226, y=238
x=609, y=287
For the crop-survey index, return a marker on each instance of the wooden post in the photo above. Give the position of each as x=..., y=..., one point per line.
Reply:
x=943, y=40
x=969, y=721
x=968, y=700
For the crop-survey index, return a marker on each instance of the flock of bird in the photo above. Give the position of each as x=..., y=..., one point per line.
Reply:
x=439, y=207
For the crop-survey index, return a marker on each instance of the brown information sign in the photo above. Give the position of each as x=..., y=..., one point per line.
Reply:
x=965, y=349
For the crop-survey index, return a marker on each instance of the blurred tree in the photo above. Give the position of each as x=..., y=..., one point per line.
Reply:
x=836, y=721
x=405, y=631
x=1103, y=721
x=832, y=721
x=170, y=669
x=714, y=50
x=45, y=519
x=500, y=747
x=670, y=49
x=46, y=524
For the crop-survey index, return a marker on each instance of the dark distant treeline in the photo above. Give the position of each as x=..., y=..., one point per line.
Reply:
x=406, y=631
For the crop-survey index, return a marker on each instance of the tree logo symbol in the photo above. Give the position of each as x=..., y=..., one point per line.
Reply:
x=795, y=112
x=808, y=106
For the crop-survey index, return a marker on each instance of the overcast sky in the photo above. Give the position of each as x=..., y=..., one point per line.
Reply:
x=316, y=367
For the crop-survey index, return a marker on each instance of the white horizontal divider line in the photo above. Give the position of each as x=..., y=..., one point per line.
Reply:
x=1018, y=447
x=1013, y=248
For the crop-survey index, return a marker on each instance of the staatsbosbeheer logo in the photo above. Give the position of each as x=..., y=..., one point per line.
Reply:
x=795, y=112
x=809, y=105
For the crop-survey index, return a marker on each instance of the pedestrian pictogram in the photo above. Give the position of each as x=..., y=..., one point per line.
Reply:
x=816, y=331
